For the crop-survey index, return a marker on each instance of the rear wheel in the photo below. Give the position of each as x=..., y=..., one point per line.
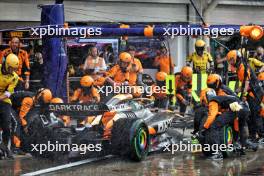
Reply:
x=225, y=134
x=227, y=137
x=130, y=137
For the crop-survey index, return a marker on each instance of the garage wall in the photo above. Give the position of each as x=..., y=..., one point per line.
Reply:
x=230, y=14
x=97, y=11
x=128, y=12
x=26, y=13
x=20, y=10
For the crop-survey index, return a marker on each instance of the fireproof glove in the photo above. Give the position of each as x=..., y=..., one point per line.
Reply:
x=262, y=105
x=235, y=107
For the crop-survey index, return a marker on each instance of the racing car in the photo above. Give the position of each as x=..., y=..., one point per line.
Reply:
x=123, y=126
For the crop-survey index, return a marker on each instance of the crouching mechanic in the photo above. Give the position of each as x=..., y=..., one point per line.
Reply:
x=214, y=81
x=259, y=116
x=222, y=111
x=66, y=119
x=17, y=131
x=87, y=92
x=183, y=84
x=8, y=82
x=28, y=102
x=159, y=91
x=136, y=69
x=118, y=77
x=119, y=74
x=23, y=102
x=249, y=85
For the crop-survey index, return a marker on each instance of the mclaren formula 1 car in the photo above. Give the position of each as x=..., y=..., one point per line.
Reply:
x=123, y=126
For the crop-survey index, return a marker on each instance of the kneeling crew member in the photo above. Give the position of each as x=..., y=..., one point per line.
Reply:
x=87, y=92
x=159, y=93
x=66, y=119
x=119, y=74
x=42, y=97
x=214, y=81
x=183, y=84
x=222, y=110
x=17, y=98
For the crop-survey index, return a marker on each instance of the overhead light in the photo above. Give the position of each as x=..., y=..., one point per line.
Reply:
x=252, y=32
x=256, y=33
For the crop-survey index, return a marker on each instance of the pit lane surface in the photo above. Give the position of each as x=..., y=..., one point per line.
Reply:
x=155, y=164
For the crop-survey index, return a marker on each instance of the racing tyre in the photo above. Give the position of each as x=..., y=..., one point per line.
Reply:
x=38, y=135
x=33, y=136
x=227, y=139
x=130, y=137
x=61, y=136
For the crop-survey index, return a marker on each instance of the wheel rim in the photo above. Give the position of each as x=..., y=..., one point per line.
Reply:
x=228, y=136
x=141, y=141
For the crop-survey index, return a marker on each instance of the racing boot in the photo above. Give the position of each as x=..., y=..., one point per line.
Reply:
x=9, y=154
x=2, y=153
x=5, y=152
x=251, y=145
x=239, y=149
x=217, y=156
x=242, y=151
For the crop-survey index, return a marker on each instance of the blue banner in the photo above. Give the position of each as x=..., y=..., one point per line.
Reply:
x=55, y=58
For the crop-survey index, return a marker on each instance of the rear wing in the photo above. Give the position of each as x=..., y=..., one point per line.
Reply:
x=77, y=109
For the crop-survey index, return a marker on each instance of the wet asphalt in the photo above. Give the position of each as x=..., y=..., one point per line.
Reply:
x=163, y=164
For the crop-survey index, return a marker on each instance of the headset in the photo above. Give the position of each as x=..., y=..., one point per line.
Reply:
x=39, y=92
